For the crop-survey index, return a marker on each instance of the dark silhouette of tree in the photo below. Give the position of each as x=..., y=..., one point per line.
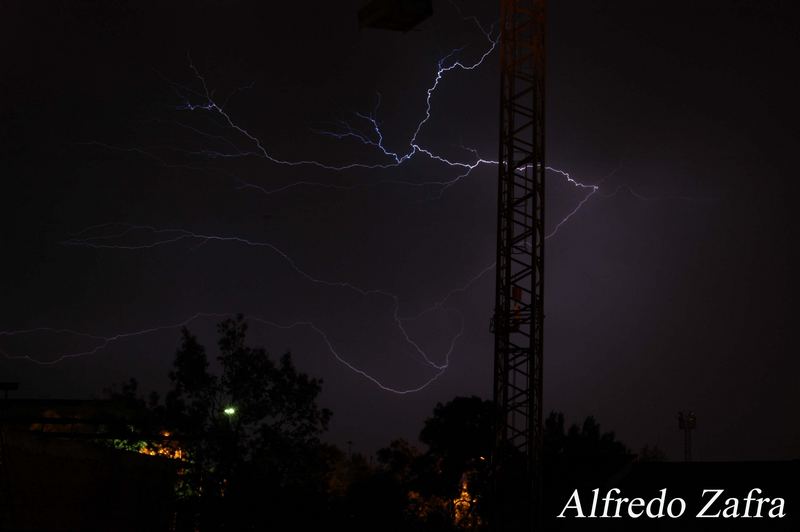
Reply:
x=400, y=459
x=458, y=434
x=139, y=421
x=251, y=434
x=579, y=442
x=409, y=490
x=460, y=438
x=581, y=456
x=374, y=498
x=652, y=453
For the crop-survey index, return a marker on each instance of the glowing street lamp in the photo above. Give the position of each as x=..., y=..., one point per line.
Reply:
x=229, y=410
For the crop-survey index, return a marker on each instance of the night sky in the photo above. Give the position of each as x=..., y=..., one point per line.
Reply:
x=671, y=288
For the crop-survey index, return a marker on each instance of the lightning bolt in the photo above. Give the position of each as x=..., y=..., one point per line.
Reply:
x=106, y=341
x=172, y=236
x=123, y=237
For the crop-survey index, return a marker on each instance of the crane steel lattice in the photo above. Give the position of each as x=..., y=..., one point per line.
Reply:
x=518, y=315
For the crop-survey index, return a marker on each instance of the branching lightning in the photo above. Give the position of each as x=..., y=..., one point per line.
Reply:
x=128, y=237
x=105, y=341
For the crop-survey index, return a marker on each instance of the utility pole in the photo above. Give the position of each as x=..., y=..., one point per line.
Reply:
x=687, y=421
x=519, y=305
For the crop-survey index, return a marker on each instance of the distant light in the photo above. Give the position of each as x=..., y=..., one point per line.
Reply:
x=229, y=411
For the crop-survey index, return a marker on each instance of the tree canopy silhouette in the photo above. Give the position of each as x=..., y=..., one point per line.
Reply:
x=251, y=431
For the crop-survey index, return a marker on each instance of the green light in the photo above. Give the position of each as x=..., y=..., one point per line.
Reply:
x=229, y=411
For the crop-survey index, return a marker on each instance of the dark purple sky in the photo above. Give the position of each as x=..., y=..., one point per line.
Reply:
x=673, y=287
